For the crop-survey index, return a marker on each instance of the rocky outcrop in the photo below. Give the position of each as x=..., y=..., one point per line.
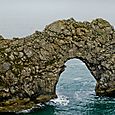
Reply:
x=30, y=67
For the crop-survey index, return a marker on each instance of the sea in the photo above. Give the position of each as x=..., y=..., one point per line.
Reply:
x=76, y=86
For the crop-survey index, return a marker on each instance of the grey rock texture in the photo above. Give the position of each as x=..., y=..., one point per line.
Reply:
x=30, y=67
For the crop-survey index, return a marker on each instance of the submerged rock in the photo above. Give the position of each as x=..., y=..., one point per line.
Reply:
x=30, y=67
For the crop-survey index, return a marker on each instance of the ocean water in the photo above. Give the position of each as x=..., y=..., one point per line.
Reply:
x=76, y=95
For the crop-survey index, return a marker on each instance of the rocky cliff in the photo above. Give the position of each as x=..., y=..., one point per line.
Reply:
x=30, y=67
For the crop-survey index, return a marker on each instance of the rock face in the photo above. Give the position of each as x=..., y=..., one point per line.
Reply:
x=30, y=67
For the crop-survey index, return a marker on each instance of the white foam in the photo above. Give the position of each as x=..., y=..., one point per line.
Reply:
x=24, y=111
x=61, y=100
x=77, y=78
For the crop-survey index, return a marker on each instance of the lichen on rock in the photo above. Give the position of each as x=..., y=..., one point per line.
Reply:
x=30, y=67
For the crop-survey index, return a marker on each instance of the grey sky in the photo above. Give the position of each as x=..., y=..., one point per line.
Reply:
x=22, y=17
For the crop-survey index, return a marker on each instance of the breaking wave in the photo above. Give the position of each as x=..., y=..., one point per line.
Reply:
x=60, y=101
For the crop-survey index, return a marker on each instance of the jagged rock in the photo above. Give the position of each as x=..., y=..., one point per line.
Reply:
x=30, y=66
x=1, y=37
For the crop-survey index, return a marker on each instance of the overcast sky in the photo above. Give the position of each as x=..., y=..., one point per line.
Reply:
x=22, y=17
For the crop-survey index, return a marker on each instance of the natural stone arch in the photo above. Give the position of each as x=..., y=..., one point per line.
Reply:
x=30, y=67
x=94, y=44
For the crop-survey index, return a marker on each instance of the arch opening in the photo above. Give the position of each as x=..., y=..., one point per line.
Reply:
x=75, y=78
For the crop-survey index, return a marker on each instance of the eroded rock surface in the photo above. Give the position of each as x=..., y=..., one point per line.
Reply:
x=30, y=66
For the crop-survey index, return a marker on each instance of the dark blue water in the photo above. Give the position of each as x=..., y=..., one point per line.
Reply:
x=76, y=95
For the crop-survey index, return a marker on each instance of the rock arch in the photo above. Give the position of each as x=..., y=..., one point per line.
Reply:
x=30, y=67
